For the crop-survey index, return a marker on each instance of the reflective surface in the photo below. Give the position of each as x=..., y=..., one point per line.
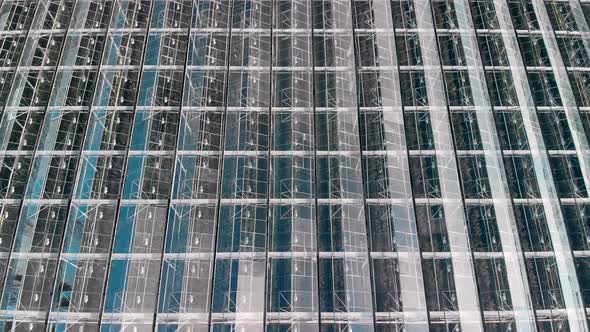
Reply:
x=294, y=165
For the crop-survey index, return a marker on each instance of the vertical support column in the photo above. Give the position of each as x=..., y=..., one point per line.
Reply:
x=464, y=276
x=186, y=287
x=186, y=257
x=381, y=116
x=77, y=290
x=512, y=252
x=240, y=258
x=131, y=273
x=345, y=285
x=567, y=273
x=35, y=247
x=16, y=26
x=292, y=278
x=565, y=89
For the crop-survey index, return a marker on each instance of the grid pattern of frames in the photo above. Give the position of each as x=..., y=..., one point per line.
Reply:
x=294, y=165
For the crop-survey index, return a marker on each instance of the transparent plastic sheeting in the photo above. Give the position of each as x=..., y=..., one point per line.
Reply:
x=294, y=165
